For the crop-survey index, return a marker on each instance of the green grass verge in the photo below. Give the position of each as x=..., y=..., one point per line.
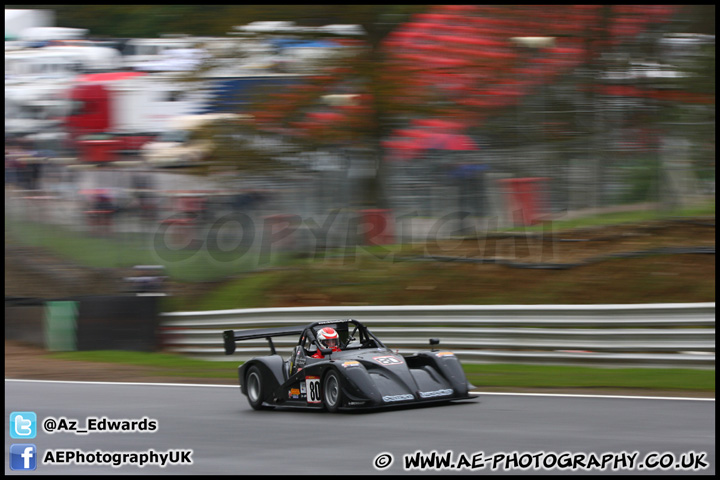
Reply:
x=623, y=217
x=539, y=376
x=159, y=363
x=201, y=265
x=194, y=264
x=485, y=375
x=86, y=250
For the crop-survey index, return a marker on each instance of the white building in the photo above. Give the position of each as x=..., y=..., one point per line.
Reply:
x=18, y=20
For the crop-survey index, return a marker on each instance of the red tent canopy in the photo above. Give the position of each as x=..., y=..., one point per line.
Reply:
x=108, y=76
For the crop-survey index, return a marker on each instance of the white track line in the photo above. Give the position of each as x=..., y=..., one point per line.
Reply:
x=566, y=395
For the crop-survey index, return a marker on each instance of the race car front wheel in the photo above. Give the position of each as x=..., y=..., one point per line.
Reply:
x=253, y=383
x=332, y=394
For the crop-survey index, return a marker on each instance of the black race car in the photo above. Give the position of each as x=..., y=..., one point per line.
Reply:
x=363, y=374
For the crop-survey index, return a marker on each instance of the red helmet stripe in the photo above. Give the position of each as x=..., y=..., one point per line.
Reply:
x=329, y=332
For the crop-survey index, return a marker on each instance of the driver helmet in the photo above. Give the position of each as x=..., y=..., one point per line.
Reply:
x=328, y=338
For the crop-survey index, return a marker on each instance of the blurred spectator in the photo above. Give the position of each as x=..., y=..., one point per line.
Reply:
x=246, y=201
x=145, y=196
x=23, y=167
x=469, y=180
x=34, y=167
x=147, y=279
x=11, y=165
x=103, y=203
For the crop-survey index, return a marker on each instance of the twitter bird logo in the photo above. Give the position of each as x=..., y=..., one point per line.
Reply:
x=23, y=424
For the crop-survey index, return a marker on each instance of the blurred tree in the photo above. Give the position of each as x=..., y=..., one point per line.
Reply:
x=344, y=103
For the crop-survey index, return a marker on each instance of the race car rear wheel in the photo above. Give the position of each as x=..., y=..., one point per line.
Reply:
x=332, y=393
x=253, y=383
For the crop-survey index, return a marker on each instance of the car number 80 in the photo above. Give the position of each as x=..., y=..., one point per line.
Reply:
x=313, y=389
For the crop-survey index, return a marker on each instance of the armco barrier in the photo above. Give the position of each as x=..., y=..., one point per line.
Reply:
x=91, y=322
x=643, y=335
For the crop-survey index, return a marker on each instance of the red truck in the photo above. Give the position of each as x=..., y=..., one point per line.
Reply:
x=118, y=112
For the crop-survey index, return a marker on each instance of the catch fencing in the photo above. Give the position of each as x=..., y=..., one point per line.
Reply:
x=642, y=335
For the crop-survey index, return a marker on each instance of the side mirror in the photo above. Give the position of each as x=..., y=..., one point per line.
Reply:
x=326, y=351
x=434, y=341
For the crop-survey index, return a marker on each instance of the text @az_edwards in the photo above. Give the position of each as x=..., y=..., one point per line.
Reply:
x=99, y=424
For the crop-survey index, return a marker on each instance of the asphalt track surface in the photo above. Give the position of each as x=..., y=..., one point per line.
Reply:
x=226, y=437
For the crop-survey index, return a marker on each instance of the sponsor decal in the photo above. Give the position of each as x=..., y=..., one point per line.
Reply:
x=437, y=393
x=444, y=354
x=397, y=398
x=351, y=363
x=388, y=360
x=294, y=393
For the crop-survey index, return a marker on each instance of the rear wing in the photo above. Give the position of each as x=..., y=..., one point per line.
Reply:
x=230, y=337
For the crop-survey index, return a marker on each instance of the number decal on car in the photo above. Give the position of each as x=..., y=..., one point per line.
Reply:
x=388, y=360
x=312, y=385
